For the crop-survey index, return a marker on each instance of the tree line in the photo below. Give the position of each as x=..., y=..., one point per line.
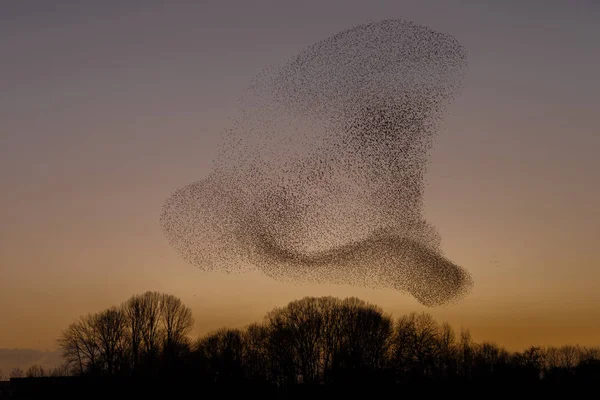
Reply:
x=37, y=371
x=322, y=340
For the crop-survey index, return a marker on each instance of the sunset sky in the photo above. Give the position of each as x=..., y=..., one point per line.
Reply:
x=107, y=107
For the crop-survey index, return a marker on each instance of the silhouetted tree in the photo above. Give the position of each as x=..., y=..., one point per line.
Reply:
x=16, y=373
x=416, y=346
x=588, y=369
x=79, y=345
x=176, y=321
x=560, y=363
x=150, y=329
x=465, y=355
x=220, y=355
x=135, y=313
x=296, y=333
x=111, y=337
x=531, y=362
x=589, y=353
x=61, y=370
x=448, y=349
x=256, y=357
x=490, y=362
x=35, y=371
x=362, y=340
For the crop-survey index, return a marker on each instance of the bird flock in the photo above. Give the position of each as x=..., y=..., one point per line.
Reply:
x=320, y=177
